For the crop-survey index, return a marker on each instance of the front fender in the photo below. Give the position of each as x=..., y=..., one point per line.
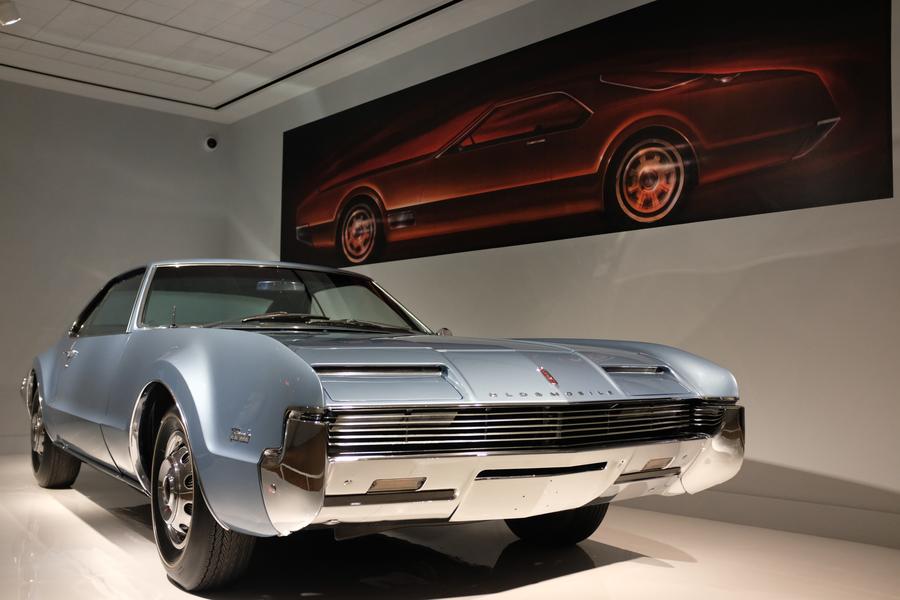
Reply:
x=222, y=380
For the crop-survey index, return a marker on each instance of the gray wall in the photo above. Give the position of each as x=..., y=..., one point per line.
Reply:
x=87, y=189
x=801, y=305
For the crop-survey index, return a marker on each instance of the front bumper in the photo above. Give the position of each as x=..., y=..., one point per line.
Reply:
x=302, y=485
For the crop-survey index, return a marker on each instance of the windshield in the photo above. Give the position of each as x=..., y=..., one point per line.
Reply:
x=251, y=296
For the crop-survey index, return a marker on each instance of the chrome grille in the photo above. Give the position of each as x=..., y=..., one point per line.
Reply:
x=365, y=431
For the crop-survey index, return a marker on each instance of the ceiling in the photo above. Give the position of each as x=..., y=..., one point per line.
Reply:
x=219, y=59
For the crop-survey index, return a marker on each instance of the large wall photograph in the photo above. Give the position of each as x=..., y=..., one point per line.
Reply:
x=669, y=113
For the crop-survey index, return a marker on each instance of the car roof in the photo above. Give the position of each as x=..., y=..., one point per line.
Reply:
x=231, y=262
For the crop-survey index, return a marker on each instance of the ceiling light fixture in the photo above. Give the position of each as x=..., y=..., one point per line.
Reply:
x=9, y=15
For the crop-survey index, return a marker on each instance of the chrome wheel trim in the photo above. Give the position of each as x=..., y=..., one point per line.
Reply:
x=358, y=233
x=37, y=431
x=650, y=180
x=175, y=490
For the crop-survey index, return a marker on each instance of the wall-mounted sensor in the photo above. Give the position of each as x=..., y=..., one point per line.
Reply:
x=9, y=15
x=210, y=143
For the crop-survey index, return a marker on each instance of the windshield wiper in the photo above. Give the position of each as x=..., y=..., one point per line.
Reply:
x=282, y=316
x=358, y=323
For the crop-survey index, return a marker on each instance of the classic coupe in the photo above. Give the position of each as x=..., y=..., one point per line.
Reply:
x=253, y=399
x=629, y=145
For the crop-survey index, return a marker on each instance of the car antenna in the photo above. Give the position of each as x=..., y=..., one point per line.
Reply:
x=174, y=324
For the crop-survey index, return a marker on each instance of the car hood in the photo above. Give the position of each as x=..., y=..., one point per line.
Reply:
x=413, y=369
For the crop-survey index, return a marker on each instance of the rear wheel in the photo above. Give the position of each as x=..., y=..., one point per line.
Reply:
x=562, y=528
x=650, y=178
x=196, y=552
x=52, y=467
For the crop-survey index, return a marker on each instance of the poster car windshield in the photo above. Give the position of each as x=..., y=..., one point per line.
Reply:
x=672, y=112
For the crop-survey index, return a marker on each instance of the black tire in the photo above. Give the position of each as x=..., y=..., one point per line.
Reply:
x=207, y=555
x=360, y=233
x=53, y=468
x=645, y=168
x=563, y=528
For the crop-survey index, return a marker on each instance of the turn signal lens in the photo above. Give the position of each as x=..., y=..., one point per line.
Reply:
x=657, y=463
x=406, y=484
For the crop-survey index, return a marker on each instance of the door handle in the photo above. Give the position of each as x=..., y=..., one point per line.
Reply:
x=537, y=141
x=70, y=354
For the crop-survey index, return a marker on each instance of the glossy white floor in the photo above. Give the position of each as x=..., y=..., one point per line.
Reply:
x=94, y=542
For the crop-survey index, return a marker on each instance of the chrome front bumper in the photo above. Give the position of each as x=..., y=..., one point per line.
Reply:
x=302, y=485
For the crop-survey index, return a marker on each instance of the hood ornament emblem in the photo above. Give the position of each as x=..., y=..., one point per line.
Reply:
x=548, y=376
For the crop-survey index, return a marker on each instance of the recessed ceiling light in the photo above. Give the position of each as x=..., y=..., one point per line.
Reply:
x=9, y=15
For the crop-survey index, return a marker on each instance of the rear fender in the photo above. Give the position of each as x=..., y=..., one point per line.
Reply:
x=674, y=123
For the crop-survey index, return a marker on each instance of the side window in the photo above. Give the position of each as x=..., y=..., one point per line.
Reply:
x=523, y=118
x=110, y=314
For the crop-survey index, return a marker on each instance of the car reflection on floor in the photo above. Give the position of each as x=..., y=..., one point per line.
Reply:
x=430, y=562
x=398, y=567
x=409, y=563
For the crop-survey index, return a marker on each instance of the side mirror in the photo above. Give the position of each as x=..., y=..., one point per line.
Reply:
x=443, y=331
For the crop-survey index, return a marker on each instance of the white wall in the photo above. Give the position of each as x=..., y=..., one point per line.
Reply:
x=88, y=189
x=802, y=306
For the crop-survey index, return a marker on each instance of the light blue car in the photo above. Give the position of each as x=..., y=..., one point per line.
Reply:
x=251, y=399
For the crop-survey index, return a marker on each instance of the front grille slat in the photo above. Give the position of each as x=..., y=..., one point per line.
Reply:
x=433, y=430
x=527, y=430
x=496, y=411
x=429, y=440
x=502, y=424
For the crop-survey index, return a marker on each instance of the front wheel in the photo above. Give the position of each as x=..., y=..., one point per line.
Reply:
x=359, y=234
x=651, y=177
x=195, y=550
x=563, y=528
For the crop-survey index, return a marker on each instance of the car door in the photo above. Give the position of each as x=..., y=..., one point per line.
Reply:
x=89, y=363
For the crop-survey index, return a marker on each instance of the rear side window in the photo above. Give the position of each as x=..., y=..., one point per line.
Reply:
x=111, y=312
x=523, y=118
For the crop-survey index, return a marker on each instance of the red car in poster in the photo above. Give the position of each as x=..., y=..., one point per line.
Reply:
x=627, y=145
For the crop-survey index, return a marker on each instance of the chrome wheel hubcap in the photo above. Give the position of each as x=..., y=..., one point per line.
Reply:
x=37, y=431
x=175, y=490
x=650, y=181
x=358, y=236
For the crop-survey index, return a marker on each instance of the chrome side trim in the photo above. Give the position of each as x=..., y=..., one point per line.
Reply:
x=823, y=127
x=134, y=431
x=88, y=460
x=650, y=89
x=389, y=498
x=539, y=472
x=134, y=448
